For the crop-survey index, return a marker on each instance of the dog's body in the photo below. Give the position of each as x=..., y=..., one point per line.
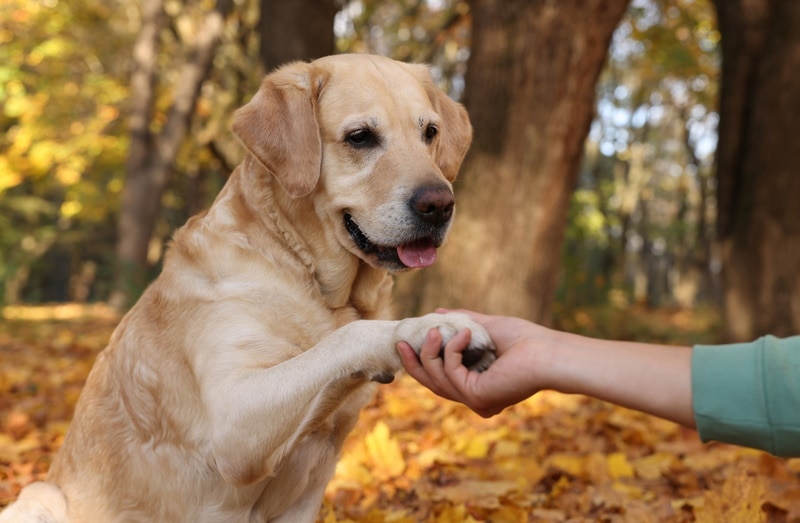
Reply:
x=226, y=392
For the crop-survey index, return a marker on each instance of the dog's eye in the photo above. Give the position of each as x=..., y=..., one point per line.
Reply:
x=430, y=133
x=362, y=138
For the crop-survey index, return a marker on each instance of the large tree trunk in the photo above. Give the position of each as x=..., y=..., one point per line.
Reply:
x=151, y=155
x=758, y=165
x=530, y=92
x=295, y=30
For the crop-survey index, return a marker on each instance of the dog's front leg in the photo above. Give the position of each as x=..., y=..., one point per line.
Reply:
x=258, y=414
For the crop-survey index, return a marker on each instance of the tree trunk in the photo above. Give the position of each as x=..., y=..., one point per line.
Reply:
x=530, y=91
x=758, y=166
x=296, y=30
x=151, y=155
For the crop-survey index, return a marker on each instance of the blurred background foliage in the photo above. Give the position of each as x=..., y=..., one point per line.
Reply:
x=641, y=219
x=62, y=90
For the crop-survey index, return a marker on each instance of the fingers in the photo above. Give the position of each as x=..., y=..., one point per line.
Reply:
x=431, y=347
x=414, y=363
x=409, y=358
x=429, y=367
x=452, y=355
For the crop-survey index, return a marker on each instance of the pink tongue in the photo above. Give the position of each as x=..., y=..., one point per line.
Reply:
x=417, y=255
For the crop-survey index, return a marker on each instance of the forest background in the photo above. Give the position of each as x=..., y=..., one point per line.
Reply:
x=634, y=175
x=601, y=173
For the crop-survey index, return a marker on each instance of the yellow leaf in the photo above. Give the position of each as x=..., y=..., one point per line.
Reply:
x=739, y=500
x=506, y=449
x=428, y=457
x=457, y=514
x=618, y=466
x=351, y=473
x=479, y=493
x=630, y=491
x=42, y=155
x=8, y=177
x=570, y=463
x=71, y=208
x=384, y=452
x=654, y=466
x=68, y=175
x=476, y=448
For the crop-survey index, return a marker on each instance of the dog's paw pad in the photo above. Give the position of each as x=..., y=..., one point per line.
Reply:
x=478, y=359
x=383, y=377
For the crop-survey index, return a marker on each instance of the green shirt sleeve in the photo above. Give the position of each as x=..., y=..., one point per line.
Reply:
x=749, y=394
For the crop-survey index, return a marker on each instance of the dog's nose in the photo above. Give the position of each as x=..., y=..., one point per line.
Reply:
x=433, y=204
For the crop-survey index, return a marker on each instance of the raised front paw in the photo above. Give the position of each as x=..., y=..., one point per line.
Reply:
x=477, y=356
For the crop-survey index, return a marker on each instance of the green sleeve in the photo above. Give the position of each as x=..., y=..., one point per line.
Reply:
x=749, y=394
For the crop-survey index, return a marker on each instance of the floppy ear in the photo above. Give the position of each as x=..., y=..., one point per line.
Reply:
x=279, y=127
x=455, y=134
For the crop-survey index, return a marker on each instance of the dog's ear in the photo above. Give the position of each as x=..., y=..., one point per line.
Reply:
x=455, y=134
x=279, y=127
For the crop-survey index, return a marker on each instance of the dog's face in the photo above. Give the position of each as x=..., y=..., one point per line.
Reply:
x=373, y=142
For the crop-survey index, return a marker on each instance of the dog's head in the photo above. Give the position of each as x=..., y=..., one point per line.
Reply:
x=372, y=141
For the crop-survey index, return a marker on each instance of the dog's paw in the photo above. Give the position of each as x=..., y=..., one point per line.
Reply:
x=478, y=356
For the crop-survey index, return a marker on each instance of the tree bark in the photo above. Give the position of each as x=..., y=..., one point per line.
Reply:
x=295, y=30
x=151, y=155
x=530, y=92
x=758, y=166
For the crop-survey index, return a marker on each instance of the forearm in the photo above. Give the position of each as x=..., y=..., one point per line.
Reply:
x=655, y=379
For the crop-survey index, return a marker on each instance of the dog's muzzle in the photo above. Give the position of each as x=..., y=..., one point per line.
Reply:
x=431, y=209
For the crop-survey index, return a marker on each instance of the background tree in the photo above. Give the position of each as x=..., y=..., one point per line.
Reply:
x=639, y=224
x=434, y=33
x=530, y=92
x=758, y=166
x=296, y=30
x=290, y=30
x=154, y=148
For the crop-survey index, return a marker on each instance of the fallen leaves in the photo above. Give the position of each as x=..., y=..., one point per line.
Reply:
x=551, y=458
x=416, y=458
x=384, y=453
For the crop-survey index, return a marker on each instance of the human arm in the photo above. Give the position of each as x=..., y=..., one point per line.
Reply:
x=744, y=393
x=646, y=377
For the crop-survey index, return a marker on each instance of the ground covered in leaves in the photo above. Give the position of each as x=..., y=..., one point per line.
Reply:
x=416, y=458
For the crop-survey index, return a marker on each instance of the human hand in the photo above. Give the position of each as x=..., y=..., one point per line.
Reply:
x=519, y=371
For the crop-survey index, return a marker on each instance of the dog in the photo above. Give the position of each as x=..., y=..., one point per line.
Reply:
x=226, y=392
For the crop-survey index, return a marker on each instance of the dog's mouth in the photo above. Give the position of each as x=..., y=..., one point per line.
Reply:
x=418, y=253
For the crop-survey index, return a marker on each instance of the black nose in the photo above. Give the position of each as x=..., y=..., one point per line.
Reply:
x=433, y=204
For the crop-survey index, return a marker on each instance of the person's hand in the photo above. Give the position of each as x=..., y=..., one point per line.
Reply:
x=519, y=371
x=647, y=377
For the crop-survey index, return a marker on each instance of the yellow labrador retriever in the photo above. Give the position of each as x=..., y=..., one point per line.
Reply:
x=225, y=394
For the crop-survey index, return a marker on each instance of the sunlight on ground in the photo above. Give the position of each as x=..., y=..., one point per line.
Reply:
x=60, y=311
